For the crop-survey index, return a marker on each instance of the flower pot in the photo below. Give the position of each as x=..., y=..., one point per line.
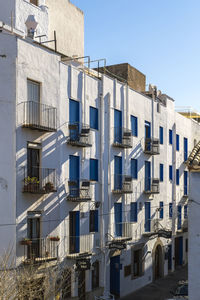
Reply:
x=54, y=238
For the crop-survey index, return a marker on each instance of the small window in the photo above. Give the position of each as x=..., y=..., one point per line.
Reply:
x=134, y=125
x=177, y=143
x=161, y=135
x=93, y=118
x=185, y=211
x=95, y=275
x=161, y=210
x=170, y=137
x=134, y=168
x=161, y=172
x=93, y=220
x=170, y=210
x=133, y=212
x=35, y=2
x=177, y=176
x=170, y=173
x=93, y=169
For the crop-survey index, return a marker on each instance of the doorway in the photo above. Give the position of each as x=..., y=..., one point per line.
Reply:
x=158, y=263
x=115, y=275
x=81, y=285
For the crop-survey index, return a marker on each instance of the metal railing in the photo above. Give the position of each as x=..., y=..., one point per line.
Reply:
x=122, y=137
x=79, y=190
x=122, y=184
x=40, y=249
x=152, y=146
x=39, y=180
x=39, y=116
x=78, y=245
x=79, y=135
x=151, y=185
x=124, y=230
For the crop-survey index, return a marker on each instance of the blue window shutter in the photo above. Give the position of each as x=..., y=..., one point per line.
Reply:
x=185, y=183
x=133, y=212
x=170, y=137
x=93, y=118
x=170, y=173
x=185, y=142
x=118, y=218
x=73, y=111
x=77, y=228
x=185, y=211
x=134, y=168
x=134, y=125
x=179, y=212
x=147, y=128
x=161, y=172
x=161, y=135
x=177, y=176
x=170, y=210
x=96, y=223
x=147, y=182
x=177, y=143
x=147, y=225
x=93, y=169
x=161, y=210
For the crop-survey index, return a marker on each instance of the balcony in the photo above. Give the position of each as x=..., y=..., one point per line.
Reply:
x=155, y=226
x=39, y=180
x=152, y=186
x=122, y=184
x=77, y=247
x=39, y=116
x=122, y=138
x=40, y=250
x=79, y=135
x=79, y=191
x=152, y=146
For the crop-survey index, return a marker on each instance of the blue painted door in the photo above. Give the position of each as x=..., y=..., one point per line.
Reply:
x=118, y=173
x=118, y=219
x=169, y=257
x=115, y=275
x=147, y=183
x=147, y=225
x=179, y=216
x=74, y=119
x=118, y=126
x=147, y=133
x=74, y=231
x=74, y=175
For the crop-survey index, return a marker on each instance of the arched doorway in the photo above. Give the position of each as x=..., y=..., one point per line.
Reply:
x=158, y=262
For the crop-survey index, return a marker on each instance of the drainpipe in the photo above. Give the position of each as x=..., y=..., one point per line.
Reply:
x=126, y=150
x=174, y=209
x=154, y=94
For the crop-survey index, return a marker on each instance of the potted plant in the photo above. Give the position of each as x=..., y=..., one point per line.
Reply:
x=54, y=238
x=26, y=241
x=49, y=187
x=31, y=184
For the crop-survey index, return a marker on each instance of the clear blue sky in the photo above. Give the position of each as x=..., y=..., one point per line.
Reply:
x=161, y=38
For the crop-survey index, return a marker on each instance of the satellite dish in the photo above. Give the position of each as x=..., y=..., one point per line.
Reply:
x=31, y=25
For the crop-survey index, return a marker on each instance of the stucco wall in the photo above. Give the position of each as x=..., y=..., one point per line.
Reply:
x=68, y=22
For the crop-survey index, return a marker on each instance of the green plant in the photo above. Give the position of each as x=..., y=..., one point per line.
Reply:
x=29, y=180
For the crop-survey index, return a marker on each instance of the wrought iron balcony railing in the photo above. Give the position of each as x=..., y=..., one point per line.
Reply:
x=39, y=180
x=79, y=190
x=122, y=184
x=77, y=246
x=152, y=146
x=122, y=138
x=79, y=135
x=152, y=186
x=123, y=230
x=40, y=249
x=39, y=116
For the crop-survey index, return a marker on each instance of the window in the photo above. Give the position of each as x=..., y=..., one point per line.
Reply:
x=170, y=173
x=134, y=168
x=177, y=142
x=93, y=169
x=33, y=91
x=161, y=210
x=185, y=211
x=35, y=2
x=134, y=126
x=93, y=118
x=137, y=263
x=133, y=212
x=170, y=136
x=161, y=135
x=161, y=172
x=177, y=176
x=95, y=275
x=170, y=210
x=93, y=220
x=179, y=213
x=185, y=175
x=185, y=143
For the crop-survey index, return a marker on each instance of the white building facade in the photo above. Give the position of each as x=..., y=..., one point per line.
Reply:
x=92, y=172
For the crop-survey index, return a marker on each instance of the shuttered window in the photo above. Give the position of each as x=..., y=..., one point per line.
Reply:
x=93, y=220
x=93, y=118
x=133, y=212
